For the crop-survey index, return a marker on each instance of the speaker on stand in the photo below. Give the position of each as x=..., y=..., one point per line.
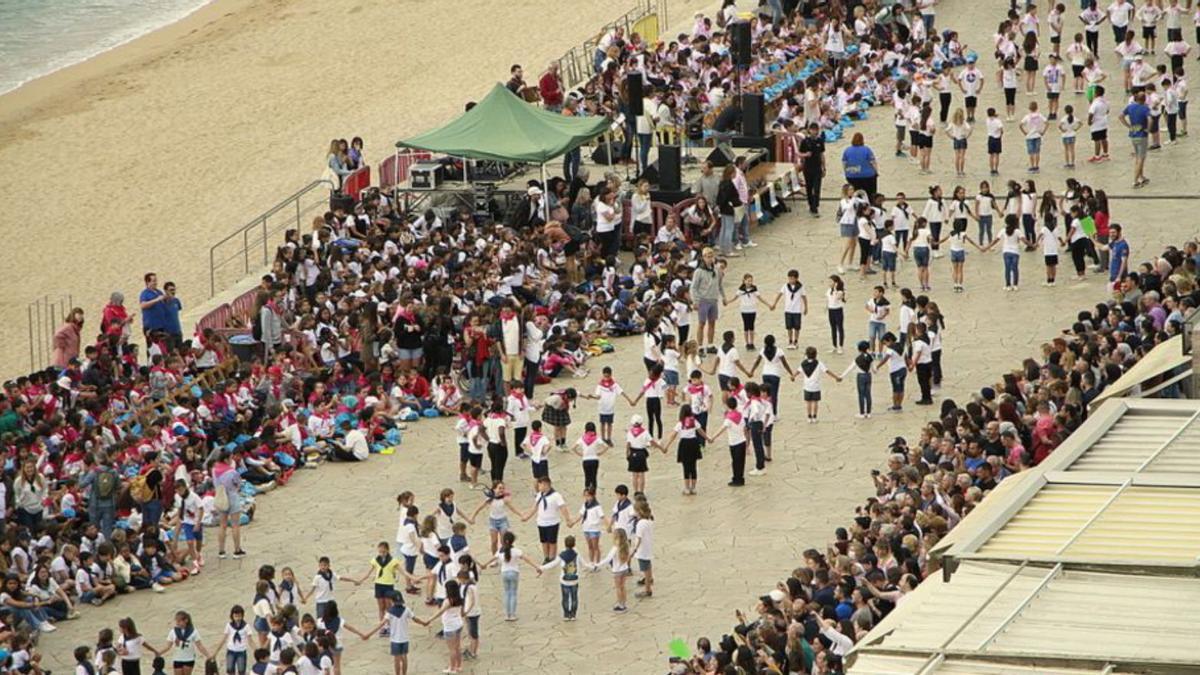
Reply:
x=753, y=117
x=633, y=89
x=669, y=177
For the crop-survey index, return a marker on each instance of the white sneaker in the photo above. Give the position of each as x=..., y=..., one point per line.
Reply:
x=751, y=244
x=755, y=472
x=157, y=587
x=47, y=628
x=841, y=270
x=737, y=247
x=840, y=350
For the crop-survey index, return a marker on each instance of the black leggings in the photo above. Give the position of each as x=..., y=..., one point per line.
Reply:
x=936, y=355
x=864, y=251
x=518, y=439
x=944, y=100
x=591, y=467
x=689, y=469
x=837, y=326
x=1078, y=252
x=683, y=334
x=1093, y=41
x=654, y=416
x=498, y=457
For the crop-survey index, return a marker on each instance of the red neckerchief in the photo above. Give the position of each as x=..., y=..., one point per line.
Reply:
x=734, y=416
x=607, y=382
x=637, y=430
x=589, y=437
x=688, y=422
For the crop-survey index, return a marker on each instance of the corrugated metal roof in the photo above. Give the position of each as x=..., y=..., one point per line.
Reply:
x=1137, y=438
x=1069, y=617
x=886, y=664
x=1103, y=523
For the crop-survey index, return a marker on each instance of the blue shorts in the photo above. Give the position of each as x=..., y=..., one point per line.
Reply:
x=429, y=560
x=410, y=354
x=261, y=625
x=889, y=261
x=897, y=378
x=958, y=256
x=1033, y=145
x=384, y=591
x=399, y=649
x=993, y=145
x=849, y=231
x=671, y=377
x=876, y=330
x=473, y=627
x=793, y=320
x=191, y=534
x=921, y=256
x=607, y=419
x=1068, y=140
x=592, y=535
x=498, y=524
x=464, y=455
x=960, y=144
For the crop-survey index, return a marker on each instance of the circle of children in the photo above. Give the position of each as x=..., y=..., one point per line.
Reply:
x=371, y=317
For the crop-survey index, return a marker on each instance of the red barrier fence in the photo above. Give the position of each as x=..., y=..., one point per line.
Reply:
x=395, y=169
x=356, y=182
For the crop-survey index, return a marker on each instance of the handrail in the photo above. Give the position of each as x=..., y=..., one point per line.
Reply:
x=575, y=66
x=259, y=221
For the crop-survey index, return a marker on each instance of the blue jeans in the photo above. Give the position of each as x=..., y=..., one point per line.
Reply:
x=725, y=236
x=776, y=11
x=104, y=515
x=644, y=142
x=1012, y=274
x=742, y=234
x=478, y=377
x=772, y=382
x=235, y=662
x=152, y=512
x=510, y=580
x=863, y=380
x=34, y=618
x=570, y=600
x=985, y=228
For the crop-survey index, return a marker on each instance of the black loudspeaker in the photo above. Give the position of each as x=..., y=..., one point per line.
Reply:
x=339, y=199
x=668, y=167
x=600, y=154
x=739, y=33
x=721, y=156
x=633, y=87
x=753, y=121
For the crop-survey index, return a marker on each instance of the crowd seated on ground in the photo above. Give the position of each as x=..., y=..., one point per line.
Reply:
x=839, y=592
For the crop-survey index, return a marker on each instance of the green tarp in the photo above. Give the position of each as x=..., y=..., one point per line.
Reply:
x=503, y=127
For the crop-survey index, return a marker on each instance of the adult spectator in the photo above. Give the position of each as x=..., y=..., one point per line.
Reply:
x=152, y=302
x=408, y=330
x=516, y=80
x=745, y=215
x=227, y=480
x=114, y=319
x=66, y=339
x=608, y=220
x=529, y=212
x=103, y=483
x=1136, y=118
x=727, y=205
x=812, y=155
x=336, y=162
x=532, y=345
x=707, y=293
x=171, y=309
x=29, y=496
x=551, y=89
x=860, y=167
x=152, y=508
x=708, y=182
x=268, y=321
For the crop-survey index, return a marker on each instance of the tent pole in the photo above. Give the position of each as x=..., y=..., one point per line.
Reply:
x=545, y=195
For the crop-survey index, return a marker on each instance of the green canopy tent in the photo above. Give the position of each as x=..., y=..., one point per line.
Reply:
x=502, y=127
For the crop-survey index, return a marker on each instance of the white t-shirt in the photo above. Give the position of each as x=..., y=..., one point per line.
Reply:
x=1098, y=111
x=548, y=509
x=538, y=449
x=727, y=362
x=1053, y=75
x=995, y=127
x=1049, y=242
x=236, y=639
x=513, y=564
x=1034, y=124
x=812, y=381
x=398, y=625
x=644, y=533
x=736, y=431
x=323, y=588
x=185, y=649
x=592, y=516
x=1119, y=13
x=607, y=403
x=971, y=80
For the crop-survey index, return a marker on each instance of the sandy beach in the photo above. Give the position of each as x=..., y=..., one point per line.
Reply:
x=142, y=158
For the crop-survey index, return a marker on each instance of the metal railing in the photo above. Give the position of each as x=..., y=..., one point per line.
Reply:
x=577, y=65
x=244, y=244
x=45, y=315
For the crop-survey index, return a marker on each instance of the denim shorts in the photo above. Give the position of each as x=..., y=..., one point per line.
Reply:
x=498, y=524
x=261, y=625
x=1068, y=140
x=235, y=662
x=399, y=649
x=607, y=418
x=876, y=330
x=645, y=565
x=849, y=230
x=707, y=310
x=1033, y=145
x=671, y=377
x=410, y=354
x=921, y=256
x=897, y=378
x=591, y=535
x=889, y=261
x=958, y=256
x=960, y=144
x=473, y=627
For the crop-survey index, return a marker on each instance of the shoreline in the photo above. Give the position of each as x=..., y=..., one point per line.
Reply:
x=118, y=45
x=36, y=99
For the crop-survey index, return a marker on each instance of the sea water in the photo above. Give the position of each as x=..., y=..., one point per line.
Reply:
x=38, y=37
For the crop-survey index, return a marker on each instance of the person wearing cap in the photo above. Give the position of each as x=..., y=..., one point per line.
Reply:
x=529, y=214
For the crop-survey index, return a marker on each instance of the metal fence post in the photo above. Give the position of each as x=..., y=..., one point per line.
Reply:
x=32, y=360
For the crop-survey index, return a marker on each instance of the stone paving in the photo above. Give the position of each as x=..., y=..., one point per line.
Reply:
x=716, y=551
